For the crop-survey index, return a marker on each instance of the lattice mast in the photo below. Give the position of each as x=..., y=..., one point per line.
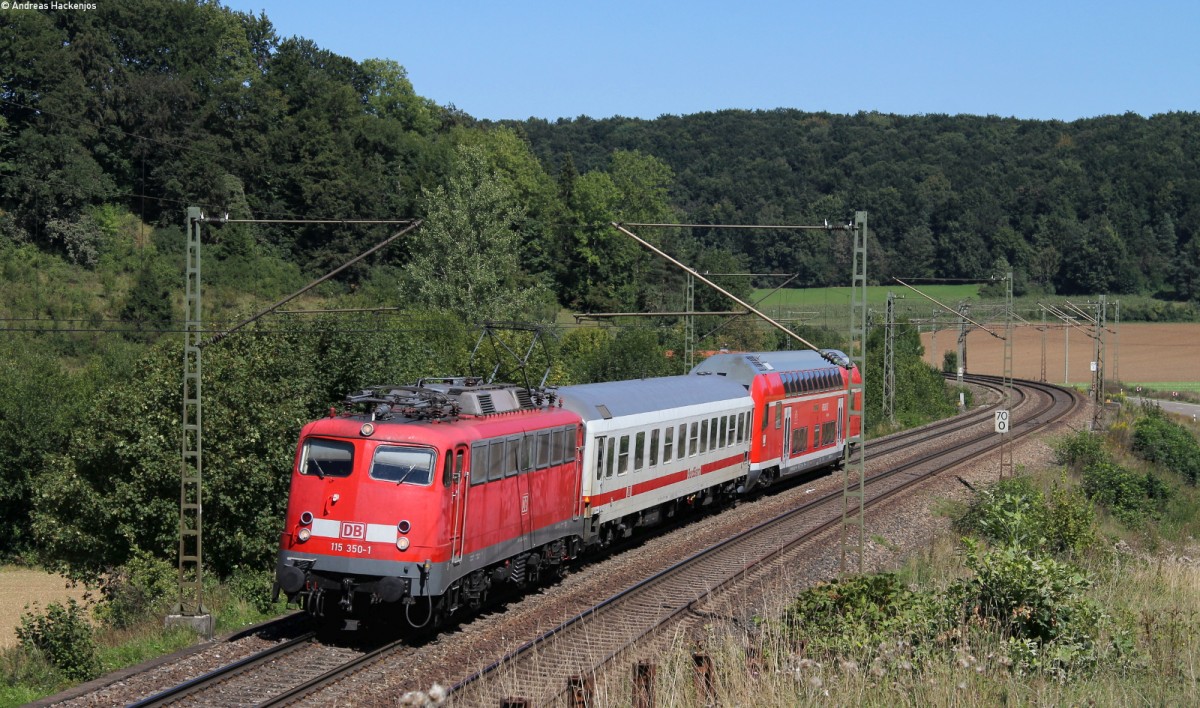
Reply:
x=854, y=466
x=889, y=359
x=191, y=560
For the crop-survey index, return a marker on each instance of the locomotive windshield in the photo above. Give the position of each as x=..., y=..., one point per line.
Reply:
x=327, y=458
x=402, y=465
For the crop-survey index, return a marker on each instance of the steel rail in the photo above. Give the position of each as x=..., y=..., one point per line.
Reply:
x=642, y=587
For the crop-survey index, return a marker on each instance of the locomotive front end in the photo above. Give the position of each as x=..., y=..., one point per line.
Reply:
x=363, y=524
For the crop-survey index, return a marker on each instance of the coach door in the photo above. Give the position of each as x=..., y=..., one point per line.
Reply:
x=841, y=434
x=459, y=484
x=787, y=434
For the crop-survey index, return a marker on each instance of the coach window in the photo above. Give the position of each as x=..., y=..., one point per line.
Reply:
x=327, y=458
x=623, y=456
x=829, y=433
x=724, y=426
x=479, y=462
x=766, y=416
x=712, y=434
x=816, y=436
x=799, y=440
x=610, y=457
x=703, y=436
x=741, y=427
x=693, y=438
x=668, y=443
x=599, y=457
x=778, y=416
x=654, y=447
x=681, y=442
x=639, y=455
x=732, y=430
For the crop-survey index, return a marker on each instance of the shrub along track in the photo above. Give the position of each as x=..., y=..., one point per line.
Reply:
x=610, y=624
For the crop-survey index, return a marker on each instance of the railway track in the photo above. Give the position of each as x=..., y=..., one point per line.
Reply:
x=299, y=670
x=583, y=646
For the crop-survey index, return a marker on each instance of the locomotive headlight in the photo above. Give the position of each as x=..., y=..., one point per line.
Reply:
x=403, y=526
x=306, y=518
x=402, y=543
x=304, y=534
x=366, y=430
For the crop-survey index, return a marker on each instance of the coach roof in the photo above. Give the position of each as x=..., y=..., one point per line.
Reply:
x=743, y=367
x=621, y=398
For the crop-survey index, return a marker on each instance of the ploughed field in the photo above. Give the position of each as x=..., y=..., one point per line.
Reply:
x=21, y=587
x=1137, y=353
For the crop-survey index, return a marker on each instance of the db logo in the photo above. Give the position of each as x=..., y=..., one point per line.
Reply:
x=354, y=530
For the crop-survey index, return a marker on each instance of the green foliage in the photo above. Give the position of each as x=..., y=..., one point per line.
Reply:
x=591, y=355
x=1034, y=601
x=141, y=587
x=148, y=306
x=1161, y=441
x=253, y=586
x=1065, y=210
x=63, y=636
x=466, y=254
x=1014, y=511
x=949, y=362
x=112, y=491
x=1080, y=450
x=859, y=613
x=38, y=400
x=921, y=394
x=1131, y=497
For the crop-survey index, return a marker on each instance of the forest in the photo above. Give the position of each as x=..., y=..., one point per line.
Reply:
x=114, y=121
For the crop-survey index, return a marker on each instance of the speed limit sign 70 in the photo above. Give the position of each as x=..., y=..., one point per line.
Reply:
x=1001, y=421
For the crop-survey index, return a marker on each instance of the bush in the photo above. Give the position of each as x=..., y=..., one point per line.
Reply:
x=1130, y=497
x=139, y=589
x=63, y=637
x=1080, y=450
x=857, y=614
x=1016, y=512
x=1163, y=442
x=1035, y=602
x=253, y=587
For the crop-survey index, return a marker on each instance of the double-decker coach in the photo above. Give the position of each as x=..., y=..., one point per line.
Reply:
x=801, y=418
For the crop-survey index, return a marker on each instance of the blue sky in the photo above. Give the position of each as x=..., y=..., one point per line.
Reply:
x=1048, y=59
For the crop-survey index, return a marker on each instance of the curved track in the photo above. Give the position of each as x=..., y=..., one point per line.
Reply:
x=584, y=645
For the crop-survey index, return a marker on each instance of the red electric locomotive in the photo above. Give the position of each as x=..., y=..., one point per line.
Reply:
x=444, y=488
x=800, y=404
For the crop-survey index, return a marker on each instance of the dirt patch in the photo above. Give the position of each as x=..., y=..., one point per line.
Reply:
x=1137, y=352
x=20, y=587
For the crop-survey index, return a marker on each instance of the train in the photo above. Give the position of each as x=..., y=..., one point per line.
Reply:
x=418, y=500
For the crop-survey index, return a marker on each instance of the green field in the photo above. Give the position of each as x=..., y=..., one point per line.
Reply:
x=876, y=295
